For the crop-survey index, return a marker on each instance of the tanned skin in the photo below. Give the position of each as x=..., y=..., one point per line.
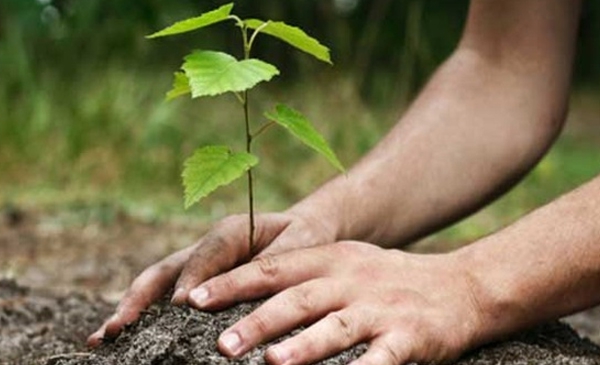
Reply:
x=332, y=261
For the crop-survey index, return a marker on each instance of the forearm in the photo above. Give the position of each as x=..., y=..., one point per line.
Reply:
x=484, y=119
x=543, y=267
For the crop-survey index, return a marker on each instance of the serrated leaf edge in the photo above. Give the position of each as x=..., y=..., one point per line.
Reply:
x=165, y=32
x=196, y=94
x=264, y=30
x=189, y=201
x=328, y=153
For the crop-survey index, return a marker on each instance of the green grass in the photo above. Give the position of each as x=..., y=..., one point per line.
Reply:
x=105, y=138
x=108, y=136
x=571, y=162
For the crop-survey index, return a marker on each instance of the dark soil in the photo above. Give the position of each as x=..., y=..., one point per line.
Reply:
x=72, y=257
x=40, y=328
x=35, y=325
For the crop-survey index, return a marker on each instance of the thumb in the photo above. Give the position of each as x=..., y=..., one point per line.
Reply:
x=225, y=246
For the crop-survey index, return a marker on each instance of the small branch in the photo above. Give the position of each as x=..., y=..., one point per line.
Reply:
x=256, y=32
x=240, y=22
x=262, y=129
x=239, y=97
x=244, y=30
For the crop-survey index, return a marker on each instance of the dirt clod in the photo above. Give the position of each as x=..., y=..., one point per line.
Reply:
x=42, y=328
x=35, y=325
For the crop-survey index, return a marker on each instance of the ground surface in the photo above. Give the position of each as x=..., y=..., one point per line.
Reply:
x=60, y=256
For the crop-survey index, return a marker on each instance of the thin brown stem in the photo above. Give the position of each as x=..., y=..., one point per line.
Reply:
x=262, y=129
x=245, y=102
x=249, y=173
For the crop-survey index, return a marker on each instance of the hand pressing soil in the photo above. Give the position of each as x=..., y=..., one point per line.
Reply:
x=181, y=335
x=42, y=328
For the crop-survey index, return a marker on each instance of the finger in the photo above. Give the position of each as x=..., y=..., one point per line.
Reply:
x=385, y=351
x=261, y=277
x=333, y=334
x=95, y=339
x=281, y=314
x=225, y=246
x=148, y=287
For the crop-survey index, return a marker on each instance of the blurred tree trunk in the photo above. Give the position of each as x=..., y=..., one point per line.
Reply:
x=365, y=47
x=413, y=54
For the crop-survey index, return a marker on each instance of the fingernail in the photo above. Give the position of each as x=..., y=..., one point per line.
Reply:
x=177, y=297
x=280, y=354
x=199, y=296
x=232, y=343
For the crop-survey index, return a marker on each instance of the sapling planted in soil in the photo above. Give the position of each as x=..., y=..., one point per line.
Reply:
x=210, y=73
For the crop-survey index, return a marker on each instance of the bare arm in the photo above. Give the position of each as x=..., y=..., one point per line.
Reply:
x=485, y=118
x=545, y=266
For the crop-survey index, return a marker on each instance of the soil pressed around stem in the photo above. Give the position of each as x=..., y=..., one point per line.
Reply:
x=43, y=328
x=39, y=326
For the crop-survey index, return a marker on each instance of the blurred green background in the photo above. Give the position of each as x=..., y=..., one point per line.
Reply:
x=83, y=121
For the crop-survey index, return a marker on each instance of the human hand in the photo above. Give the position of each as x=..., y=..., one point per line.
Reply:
x=407, y=307
x=223, y=247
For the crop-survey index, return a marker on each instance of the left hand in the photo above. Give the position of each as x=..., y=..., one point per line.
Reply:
x=409, y=308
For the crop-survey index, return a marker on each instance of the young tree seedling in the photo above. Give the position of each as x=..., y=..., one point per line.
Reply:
x=210, y=73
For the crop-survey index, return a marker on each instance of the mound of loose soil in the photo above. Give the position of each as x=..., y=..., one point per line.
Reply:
x=181, y=335
x=41, y=328
x=35, y=325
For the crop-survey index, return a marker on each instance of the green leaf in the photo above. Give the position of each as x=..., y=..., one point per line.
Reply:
x=301, y=128
x=294, y=36
x=181, y=86
x=211, y=167
x=191, y=24
x=212, y=73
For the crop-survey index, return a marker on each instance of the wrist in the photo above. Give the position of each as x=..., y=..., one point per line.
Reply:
x=326, y=209
x=503, y=306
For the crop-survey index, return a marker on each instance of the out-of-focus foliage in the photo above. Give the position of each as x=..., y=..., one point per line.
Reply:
x=372, y=39
x=81, y=89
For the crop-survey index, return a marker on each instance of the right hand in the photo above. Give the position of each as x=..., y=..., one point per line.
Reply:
x=225, y=246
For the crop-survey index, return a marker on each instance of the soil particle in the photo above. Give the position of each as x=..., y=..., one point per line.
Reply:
x=43, y=327
x=35, y=325
x=181, y=335
x=551, y=344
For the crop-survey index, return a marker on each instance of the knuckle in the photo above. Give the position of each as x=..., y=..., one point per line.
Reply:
x=259, y=324
x=390, y=353
x=301, y=299
x=344, y=326
x=268, y=265
x=227, y=283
